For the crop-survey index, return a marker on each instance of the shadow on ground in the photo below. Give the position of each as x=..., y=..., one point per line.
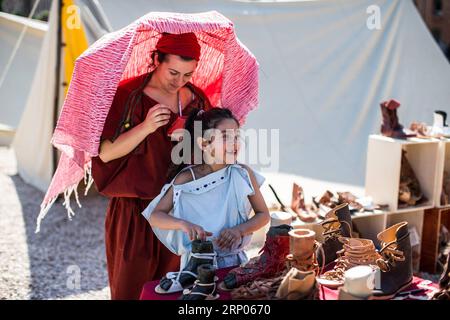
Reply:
x=64, y=249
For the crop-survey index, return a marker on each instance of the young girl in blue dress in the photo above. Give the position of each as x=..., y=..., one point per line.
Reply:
x=211, y=200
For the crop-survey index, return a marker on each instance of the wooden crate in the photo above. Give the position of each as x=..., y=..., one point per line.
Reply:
x=384, y=164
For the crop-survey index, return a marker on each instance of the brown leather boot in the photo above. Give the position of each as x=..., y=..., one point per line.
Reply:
x=269, y=264
x=395, y=262
x=337, y=223
x=302, y=250
x=390, y=126
x=298, y=205
x=205, y=286
x=298, y=285
x=355, y=252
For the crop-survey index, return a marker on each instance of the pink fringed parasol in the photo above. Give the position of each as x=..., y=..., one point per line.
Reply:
x=227, y=73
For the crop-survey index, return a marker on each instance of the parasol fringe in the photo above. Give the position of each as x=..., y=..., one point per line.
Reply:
x=88, y=181
x=43, y=212
x=67, y=193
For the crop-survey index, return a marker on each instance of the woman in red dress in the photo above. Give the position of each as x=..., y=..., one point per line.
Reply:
x=134, y=158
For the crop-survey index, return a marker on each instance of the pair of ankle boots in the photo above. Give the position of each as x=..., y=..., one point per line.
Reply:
x=198, y=278
x=394, y=258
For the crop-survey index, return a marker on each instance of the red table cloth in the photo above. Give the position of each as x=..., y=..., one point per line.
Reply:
x=148, y=291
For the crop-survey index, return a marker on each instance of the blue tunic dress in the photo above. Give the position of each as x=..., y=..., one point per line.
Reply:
x=214, y=202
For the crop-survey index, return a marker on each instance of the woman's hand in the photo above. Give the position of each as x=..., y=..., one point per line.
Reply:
x=157, y=116
x=228, y=238
x=194, y=231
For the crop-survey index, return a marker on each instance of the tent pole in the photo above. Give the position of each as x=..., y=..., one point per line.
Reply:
x=59, y=44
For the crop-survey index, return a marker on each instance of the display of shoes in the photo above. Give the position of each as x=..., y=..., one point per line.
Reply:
x=323, y=204
x=205, y=287
x=355, y=252
x=390, y=126
x=270, y=262
x=395, y=262
x=337, y=223
x=276, y=274
x=202, y=253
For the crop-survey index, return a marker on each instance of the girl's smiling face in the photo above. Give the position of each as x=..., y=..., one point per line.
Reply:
x=221, y=145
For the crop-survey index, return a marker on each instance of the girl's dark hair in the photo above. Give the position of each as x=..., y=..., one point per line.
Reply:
x=135, y=97
x=209, y=119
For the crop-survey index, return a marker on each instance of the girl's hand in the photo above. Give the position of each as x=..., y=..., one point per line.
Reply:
x=228, y=238
x=157, y=116
x=194, y=231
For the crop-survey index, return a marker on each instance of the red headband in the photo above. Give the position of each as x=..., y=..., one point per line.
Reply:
x=184, y=44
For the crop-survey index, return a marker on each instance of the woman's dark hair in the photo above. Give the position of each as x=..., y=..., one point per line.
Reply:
x=209, y=119
x=133, y=100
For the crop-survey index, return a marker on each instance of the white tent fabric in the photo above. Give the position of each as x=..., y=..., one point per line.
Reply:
x=19, y=76
x=323, y=74
x=32, y=139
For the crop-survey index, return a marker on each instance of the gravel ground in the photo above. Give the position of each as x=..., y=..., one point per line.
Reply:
x=47, y=265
